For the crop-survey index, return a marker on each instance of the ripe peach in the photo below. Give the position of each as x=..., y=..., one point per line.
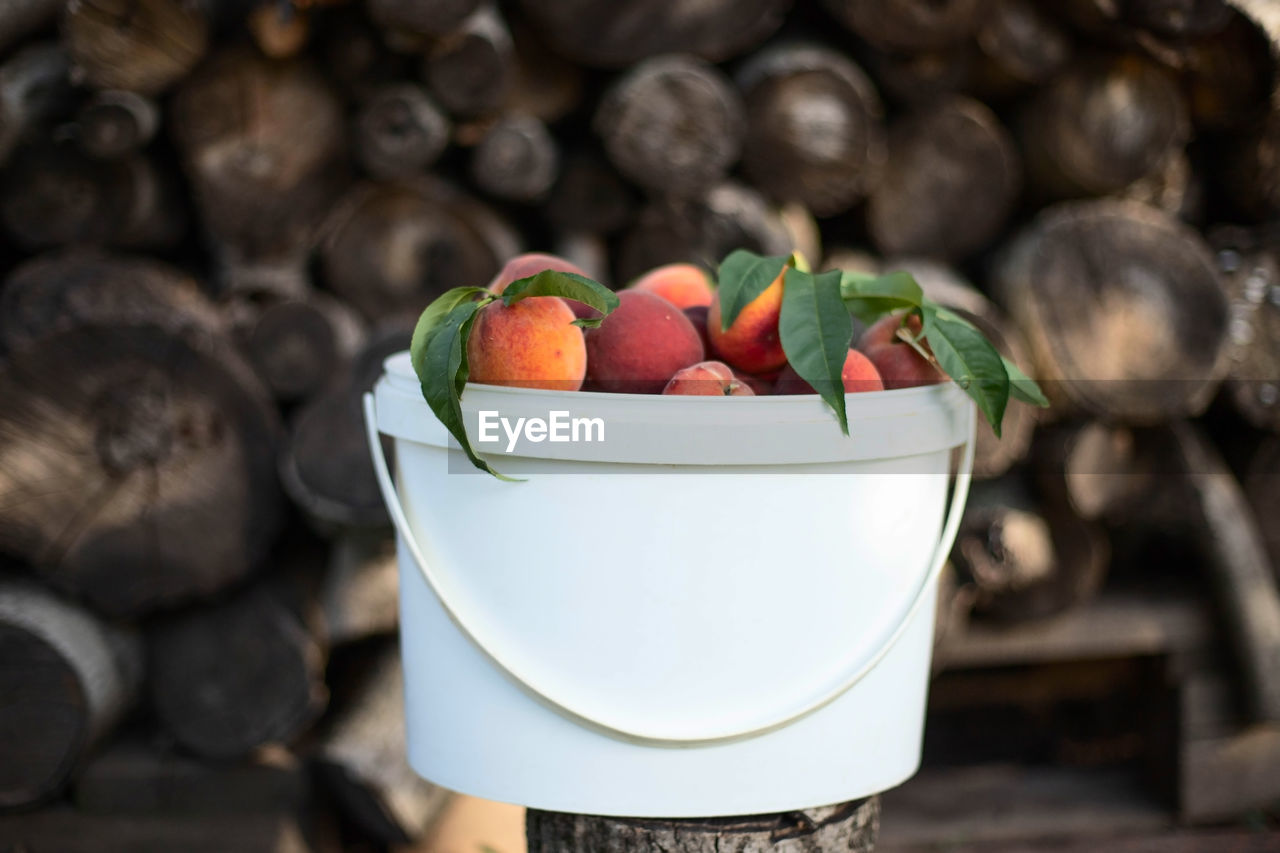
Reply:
x=683, y=285
x=707, y=379
x=858, y=373
x=752, y=343
x=761, y=386
x=530, y=344
x=899, y=364
x=641, y=345
x=530, y=263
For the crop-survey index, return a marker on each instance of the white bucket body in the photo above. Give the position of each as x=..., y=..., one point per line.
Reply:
x=724, y=607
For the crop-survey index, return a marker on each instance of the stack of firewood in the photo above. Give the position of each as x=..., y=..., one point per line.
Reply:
x=218, y=217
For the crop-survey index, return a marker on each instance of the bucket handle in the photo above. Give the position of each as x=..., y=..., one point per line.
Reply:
x=960, y=492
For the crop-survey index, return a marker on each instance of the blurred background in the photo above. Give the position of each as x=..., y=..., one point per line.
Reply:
x=217, y=218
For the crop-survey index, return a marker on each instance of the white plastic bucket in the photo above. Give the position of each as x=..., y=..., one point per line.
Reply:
x=724, y=607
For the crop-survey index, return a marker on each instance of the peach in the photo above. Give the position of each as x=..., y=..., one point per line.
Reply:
x=530, y=263
x=683, y=285
x=531, y=344
x=899, y=364
x=707, y=379
x=858, y=373
x=641, y=345
x=761, y=386
x=752, y=343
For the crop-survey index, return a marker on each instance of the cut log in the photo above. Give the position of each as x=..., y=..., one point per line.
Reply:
x=1262, y=486
x=262, y=143
x=363, y=760
x=437, y=18
x=517, y=159
x=951, y=180
x=1122, y=308
x=702, y=231
x=852, y=826
x=911, y=24
x=992, y=456
x=54, y=195
x=1230, y=77
x=546, y=85
x=136, y=777
x=673, y=125
x=619, y=33
x=359, y=594
x=1019, y=46
x=21, y=18
x=325, y=467
x=33, y=86
x=1191, y=19
x=1027, y=559
x=816, y=133
x=137, y=448
x=228, y=678
x=471, y=70
x=143, y=46
x=114, y=124
x=67, y=678
x=1100, y=126
x=280, y=30
x=590, y=197
x=399, y=131
x=1250, y=265
x=392, y=248
x=296, y=346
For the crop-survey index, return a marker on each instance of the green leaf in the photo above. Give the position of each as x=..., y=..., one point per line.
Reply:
x=970, y=359
x=743, y=277
x=869, y=297
x=435, y=313
x=1023, y=387
x=816, y=330
x=444, y=374
x=566, y=285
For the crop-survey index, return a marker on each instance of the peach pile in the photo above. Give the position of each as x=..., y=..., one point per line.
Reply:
x=660, y=337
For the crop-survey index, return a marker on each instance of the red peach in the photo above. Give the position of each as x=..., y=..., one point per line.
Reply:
x=683, y=285
x=530, y=263
x=531, y=344
x=641, y=345
x=752, y=343
x=899, y=364
x=707, y=379
x=858, y=373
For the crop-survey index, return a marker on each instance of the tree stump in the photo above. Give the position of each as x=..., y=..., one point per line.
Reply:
x=67, y=678
x=816, y=134
x=672, y=124
x=852, y=826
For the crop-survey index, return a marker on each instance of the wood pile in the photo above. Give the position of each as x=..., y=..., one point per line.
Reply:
x=218, y=218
